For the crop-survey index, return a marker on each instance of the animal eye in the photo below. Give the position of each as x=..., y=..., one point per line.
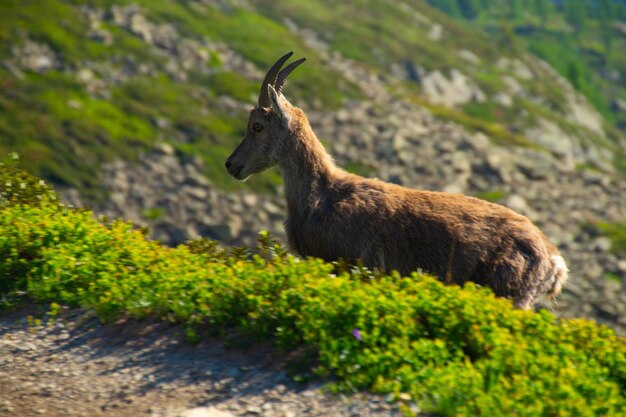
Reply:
x=257, y=127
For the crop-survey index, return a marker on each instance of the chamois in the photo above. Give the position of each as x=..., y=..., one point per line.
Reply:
x=334, y=214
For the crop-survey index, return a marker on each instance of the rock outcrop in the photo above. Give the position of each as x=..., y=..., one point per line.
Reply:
x=457, y=89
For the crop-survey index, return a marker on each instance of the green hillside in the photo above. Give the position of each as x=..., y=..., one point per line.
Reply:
x=582, y=39
x=506, y=100
x=449, y=350
x=86, y=82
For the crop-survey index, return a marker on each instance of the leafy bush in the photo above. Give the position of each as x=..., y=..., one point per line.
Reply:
x=454, y=351
x=19, y=187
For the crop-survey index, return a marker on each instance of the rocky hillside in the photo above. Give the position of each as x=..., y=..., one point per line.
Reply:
x=132, y=107
x=583, y=40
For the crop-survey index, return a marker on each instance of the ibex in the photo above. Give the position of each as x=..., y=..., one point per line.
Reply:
x=334, y=214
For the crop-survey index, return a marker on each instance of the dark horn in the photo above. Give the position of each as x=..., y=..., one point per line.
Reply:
x=282, y=76
x=270, y=79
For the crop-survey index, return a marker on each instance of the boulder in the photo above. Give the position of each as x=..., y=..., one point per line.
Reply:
x=454, y=91
x=36, y=57
x=469, y=56
x=581, y=112
x=436, y=32
x=205, y=412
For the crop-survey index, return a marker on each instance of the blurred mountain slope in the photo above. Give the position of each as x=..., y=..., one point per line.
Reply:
x=132, y=108
x=583, y=40
x=86, y=82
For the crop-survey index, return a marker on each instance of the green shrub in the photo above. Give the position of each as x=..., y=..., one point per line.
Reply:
x=455, y=351
x=19, y=187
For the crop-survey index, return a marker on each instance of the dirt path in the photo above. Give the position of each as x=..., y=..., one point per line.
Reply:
x=78, y=367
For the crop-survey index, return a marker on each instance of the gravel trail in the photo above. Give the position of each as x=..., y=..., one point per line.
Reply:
x=79, y=367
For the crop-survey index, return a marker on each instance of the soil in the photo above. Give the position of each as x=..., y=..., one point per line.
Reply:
x=76, y=366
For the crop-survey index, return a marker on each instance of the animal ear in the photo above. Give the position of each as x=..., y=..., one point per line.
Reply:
x=279, y=104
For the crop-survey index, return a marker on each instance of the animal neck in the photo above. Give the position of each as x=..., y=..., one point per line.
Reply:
x=306, y=166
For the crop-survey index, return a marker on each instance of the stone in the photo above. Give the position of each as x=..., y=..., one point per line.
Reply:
x=139, y=25
x=581, y=112
x=454, y=188
x=85, y=75
x=601, y=244
x=250, y=199
x=478, y=141
x=519, y=68
x=162, y=123
x=453, y=91
x=75, y=104
x=28, y=346
x=197, y=193
x=548, y=134
x=469, y=56
x=205, y=412
x=436, y=32
x=619, y=104
x=512, y=85
x=254, y=410
x=165, y=36
x=101, y=35
x=517, y=203
x=620, y=28
x=460, y=162
x=34, y=56
x=503, y=99
x=272, y=208
x=399, y=143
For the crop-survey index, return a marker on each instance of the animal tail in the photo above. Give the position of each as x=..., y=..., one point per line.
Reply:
x=558, y=275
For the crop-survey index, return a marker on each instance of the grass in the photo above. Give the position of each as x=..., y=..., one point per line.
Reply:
x=380, y=33
x=617, y=233
x=240, y=28
x=67, y=145
x=495, y=196
x=453, y=351
x=619, y=161
x=154, y=213
x=496, y=132
x=612, y=277
x=63, y=143
x=360, y=168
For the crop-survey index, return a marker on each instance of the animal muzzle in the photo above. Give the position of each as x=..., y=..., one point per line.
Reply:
x=234, y=168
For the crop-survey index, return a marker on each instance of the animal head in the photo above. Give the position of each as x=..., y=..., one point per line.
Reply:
x=268, y=125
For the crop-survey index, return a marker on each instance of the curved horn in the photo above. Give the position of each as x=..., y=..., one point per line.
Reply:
x=270, y=79
x=282, y=76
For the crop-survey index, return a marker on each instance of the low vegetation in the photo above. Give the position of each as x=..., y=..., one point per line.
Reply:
x=454, y=351
x=66, y=128
x=617, y=233
x=66, y=132
x=581, y=39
